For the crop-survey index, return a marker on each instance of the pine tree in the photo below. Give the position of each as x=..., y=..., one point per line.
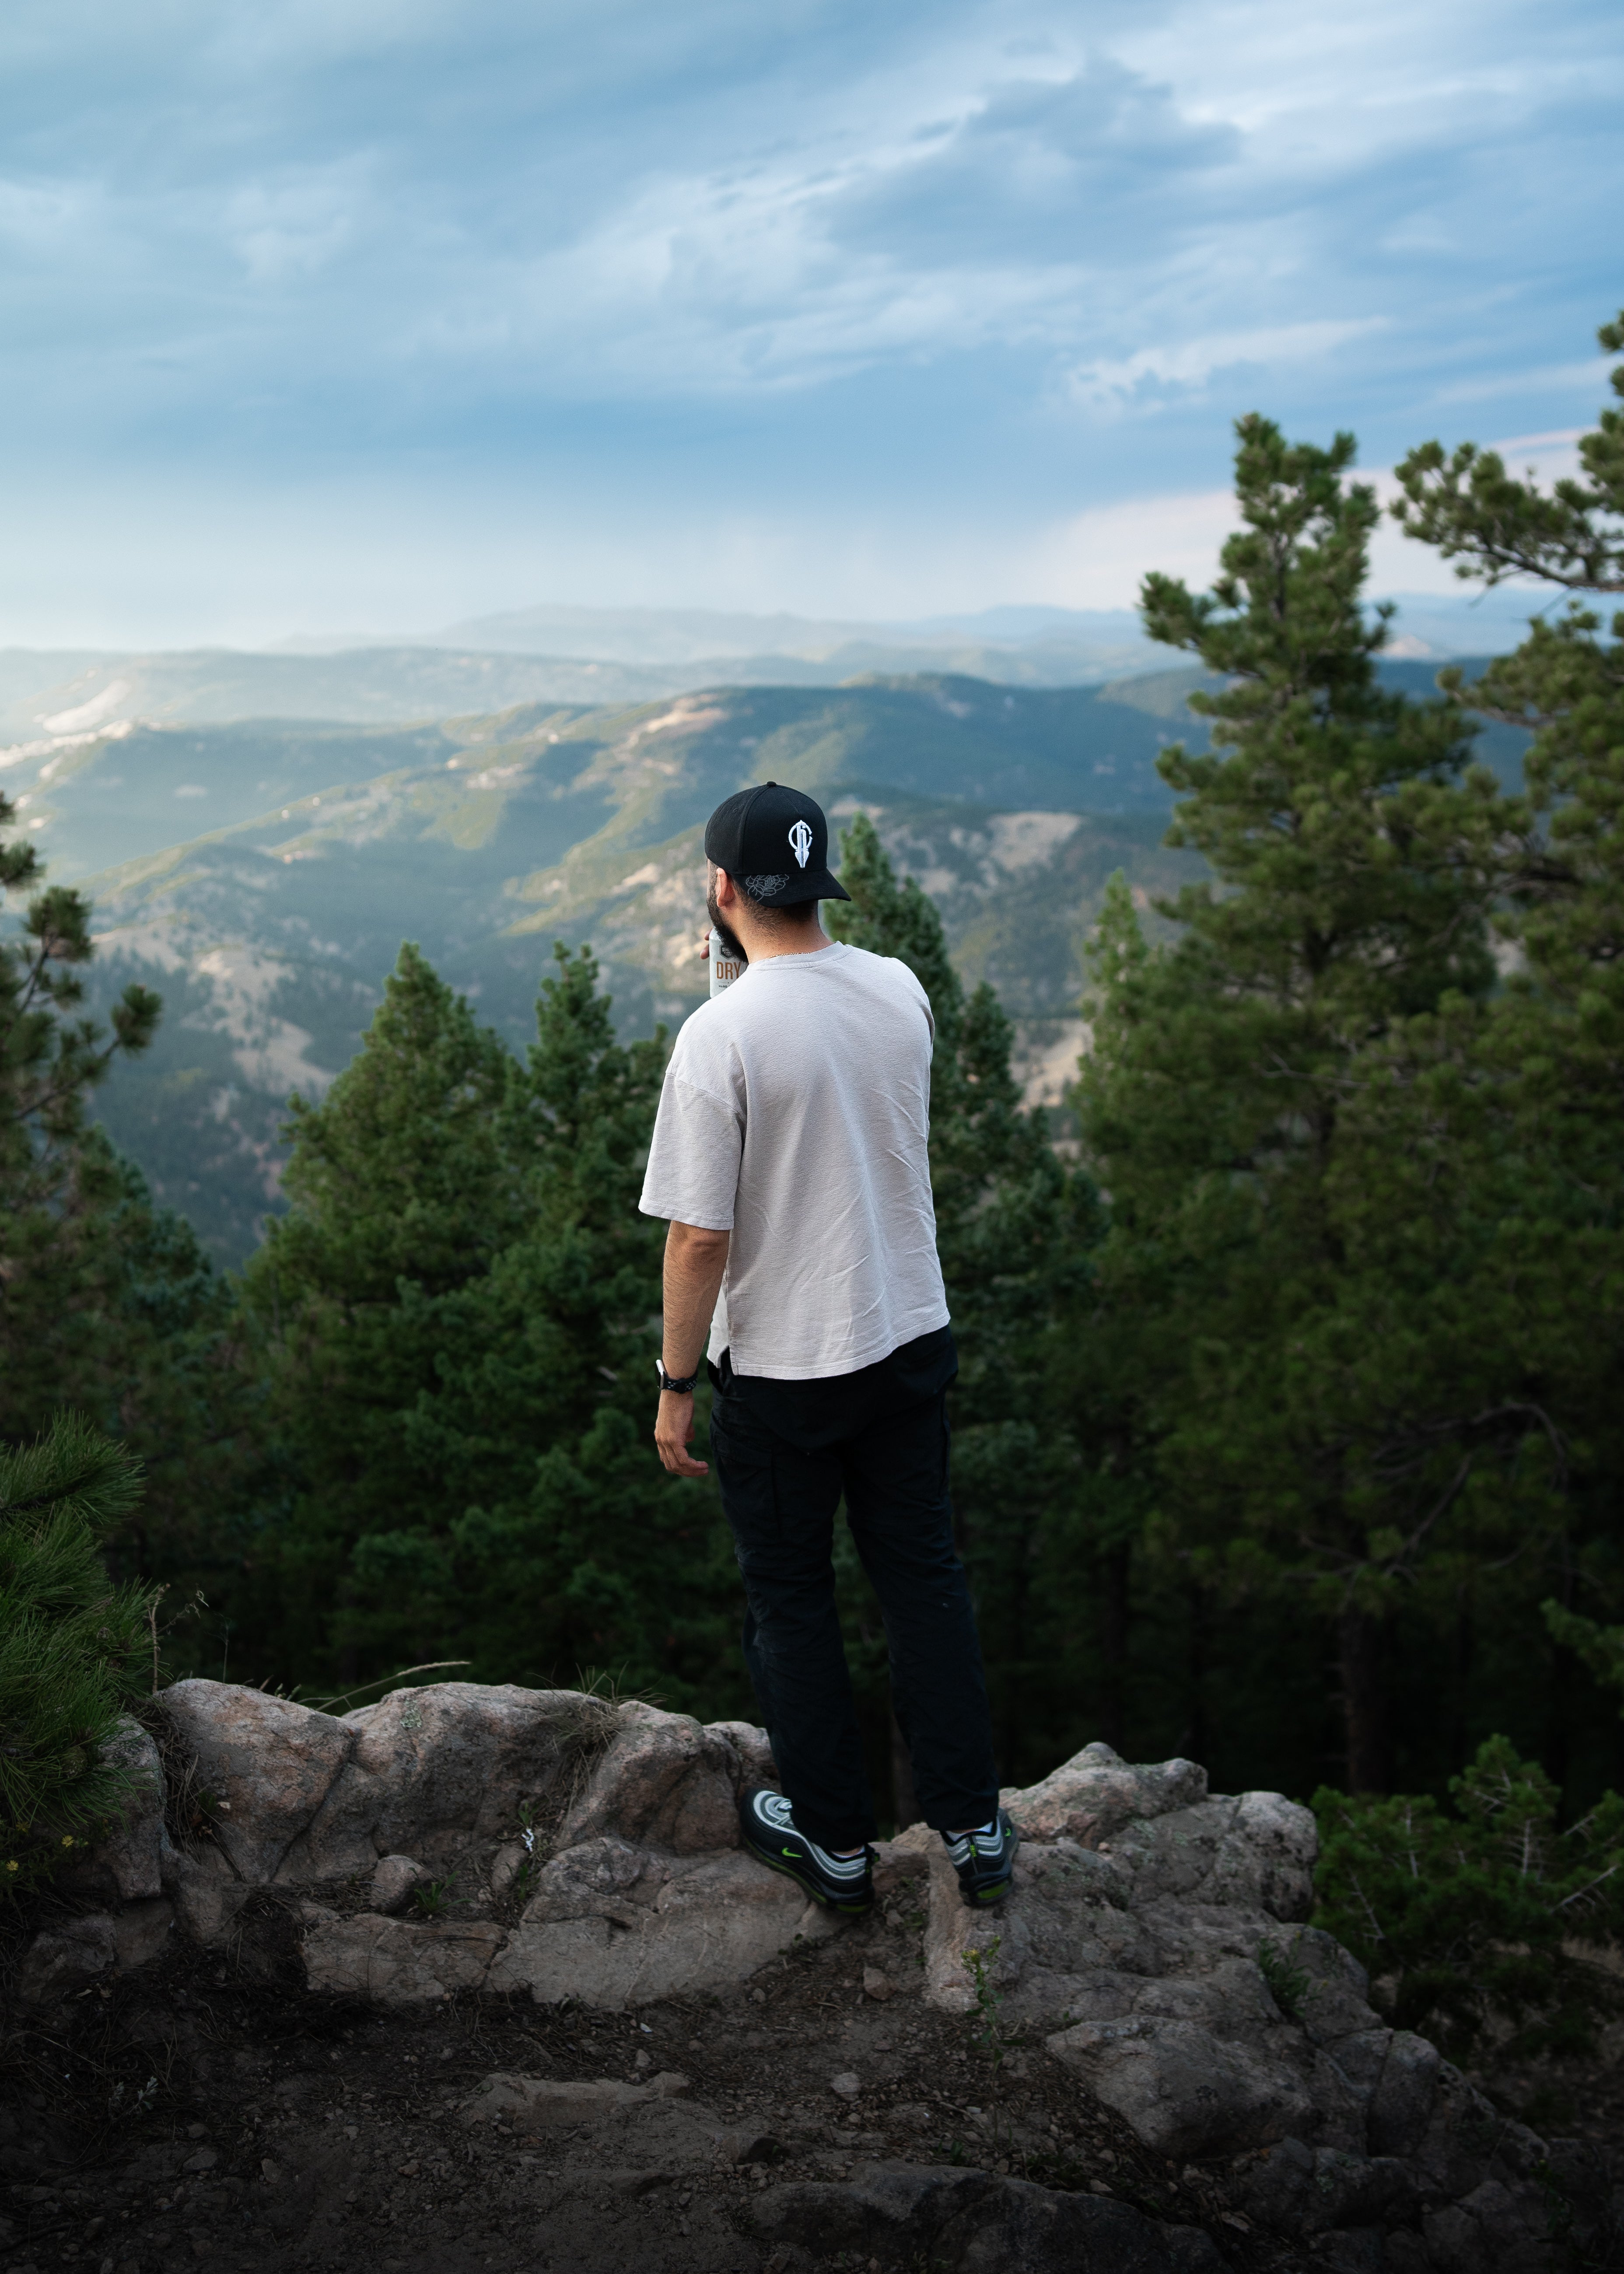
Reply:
x=1357, y=854
x=1514, y=1110
x=1483, y=1917
x=61, y=1186
x=997, y=1184
x=108, y=1305
x=47, y=1063
x=74, y=1648
x=460, y=1317
x=1012, y=1233
x=401, y=1195
x=573, y=1551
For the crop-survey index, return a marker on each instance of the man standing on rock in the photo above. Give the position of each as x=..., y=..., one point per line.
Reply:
x=789, y=1156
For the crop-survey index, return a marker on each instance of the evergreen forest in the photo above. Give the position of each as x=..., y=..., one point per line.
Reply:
x=1290, y=1431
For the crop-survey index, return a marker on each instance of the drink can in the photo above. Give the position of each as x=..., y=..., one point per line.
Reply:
x=724, y=968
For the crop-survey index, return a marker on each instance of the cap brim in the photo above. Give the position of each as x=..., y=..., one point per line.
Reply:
x=817, y=884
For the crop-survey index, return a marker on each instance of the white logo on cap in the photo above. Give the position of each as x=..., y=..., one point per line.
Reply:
x=800, y=843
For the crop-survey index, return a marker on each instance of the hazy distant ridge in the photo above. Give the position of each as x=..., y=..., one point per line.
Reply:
x=618, y=656
x=398, y=685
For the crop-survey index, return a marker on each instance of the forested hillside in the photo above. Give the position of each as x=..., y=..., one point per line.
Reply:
x=483, y=839
x=1287, y=1435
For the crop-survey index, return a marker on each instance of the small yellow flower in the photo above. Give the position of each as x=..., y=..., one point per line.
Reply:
x=67, y=1840
x=10, y=1867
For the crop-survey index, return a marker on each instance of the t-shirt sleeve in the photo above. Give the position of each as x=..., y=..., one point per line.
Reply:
x=916, y=988
x=693, y=1172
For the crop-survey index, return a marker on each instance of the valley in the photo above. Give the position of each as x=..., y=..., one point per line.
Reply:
x=486, y=837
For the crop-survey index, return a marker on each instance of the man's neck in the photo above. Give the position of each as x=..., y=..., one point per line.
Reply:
x=762, y=943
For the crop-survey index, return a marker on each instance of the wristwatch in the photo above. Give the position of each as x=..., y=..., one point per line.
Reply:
x=669, y=1382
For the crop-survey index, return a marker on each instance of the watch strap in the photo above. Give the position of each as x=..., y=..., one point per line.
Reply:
x=679, y=1385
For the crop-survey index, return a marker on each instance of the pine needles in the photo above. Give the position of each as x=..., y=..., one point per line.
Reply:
x=74, y=1648
x=1477, y=1920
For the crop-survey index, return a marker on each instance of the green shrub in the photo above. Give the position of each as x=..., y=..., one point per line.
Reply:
x=75, y=1650
x=1478, y=1917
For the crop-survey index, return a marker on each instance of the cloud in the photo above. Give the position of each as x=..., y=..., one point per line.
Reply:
x=1591, y=375
x=298, y=223
x=601, y=283
x=34, y=215
x=969, y=209
x=1154, y=372
x=1097, y=559
x=1073, y=172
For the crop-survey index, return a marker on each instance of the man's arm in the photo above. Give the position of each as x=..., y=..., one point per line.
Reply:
x=694, y=1263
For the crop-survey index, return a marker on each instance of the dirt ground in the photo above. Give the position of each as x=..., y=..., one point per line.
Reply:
x=210, y=2112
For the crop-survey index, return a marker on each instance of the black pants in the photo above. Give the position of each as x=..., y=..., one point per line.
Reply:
x=785, y=1452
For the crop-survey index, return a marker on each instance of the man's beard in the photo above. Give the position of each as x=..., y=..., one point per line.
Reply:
x=719, y=933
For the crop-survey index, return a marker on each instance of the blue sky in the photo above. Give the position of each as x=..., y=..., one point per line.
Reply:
x=375, y=314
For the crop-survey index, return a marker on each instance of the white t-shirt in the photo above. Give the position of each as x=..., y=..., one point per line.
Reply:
x=795, y=1114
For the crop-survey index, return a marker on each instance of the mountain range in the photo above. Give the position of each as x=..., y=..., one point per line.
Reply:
x=581, y=655
x=558, y=655
x=263, y=873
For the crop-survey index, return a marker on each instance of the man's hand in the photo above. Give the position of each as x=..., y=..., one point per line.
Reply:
x=673, y=1428
x=694, y=1262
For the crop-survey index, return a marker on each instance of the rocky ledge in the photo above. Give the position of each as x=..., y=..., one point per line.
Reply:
x=548, y=1846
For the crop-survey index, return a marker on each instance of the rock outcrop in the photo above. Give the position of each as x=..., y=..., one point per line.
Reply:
x=901, y=2215
x=1155, y=1944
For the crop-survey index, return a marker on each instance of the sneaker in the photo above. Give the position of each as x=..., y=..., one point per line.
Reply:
x=985, y=1859
x=841, y=1883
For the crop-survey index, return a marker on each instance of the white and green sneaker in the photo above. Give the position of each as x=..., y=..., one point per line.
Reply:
x=985, y=1859
x=841, y=1883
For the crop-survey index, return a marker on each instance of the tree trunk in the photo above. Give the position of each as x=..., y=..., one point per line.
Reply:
x=1194, y=1743
x=1361, y=1650
x=1113, y=1617
x=1560, y=1692
x=1465, y=1640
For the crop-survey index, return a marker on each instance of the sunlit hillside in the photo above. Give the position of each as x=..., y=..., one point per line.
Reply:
x=263, y=874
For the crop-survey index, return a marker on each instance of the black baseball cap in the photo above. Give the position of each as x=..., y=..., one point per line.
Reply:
x=774, y=842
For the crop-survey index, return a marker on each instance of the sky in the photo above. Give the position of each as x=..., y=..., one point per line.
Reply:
x=372, y=314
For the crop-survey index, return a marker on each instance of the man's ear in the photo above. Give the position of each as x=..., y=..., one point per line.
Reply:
x=726, y=896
